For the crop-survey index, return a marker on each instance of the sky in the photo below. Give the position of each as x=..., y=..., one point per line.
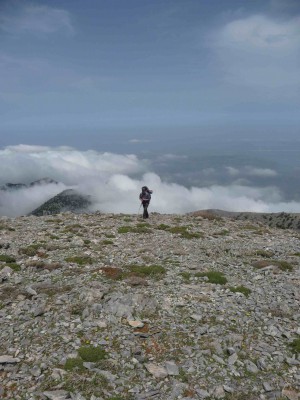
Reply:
x=201, y=94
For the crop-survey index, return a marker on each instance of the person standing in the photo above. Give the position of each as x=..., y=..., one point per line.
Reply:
x=145, y=197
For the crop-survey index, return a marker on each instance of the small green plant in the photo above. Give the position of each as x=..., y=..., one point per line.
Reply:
x=213, y=277
x=74, y=364
x=240, y=289
x=92, y=354
x=7, y=259
x=83, y=260
x=295, y=346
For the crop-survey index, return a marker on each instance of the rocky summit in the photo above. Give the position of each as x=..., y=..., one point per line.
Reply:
x=110, y=307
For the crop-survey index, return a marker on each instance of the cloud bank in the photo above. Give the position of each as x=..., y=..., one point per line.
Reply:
x=259, y=51
x=114, y=182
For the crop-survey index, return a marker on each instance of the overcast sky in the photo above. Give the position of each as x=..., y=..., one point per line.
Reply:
x=77, y=65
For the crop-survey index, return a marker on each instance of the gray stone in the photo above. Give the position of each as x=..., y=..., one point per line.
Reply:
x=267, y=387
x=232, y=359
x=251, y=367
x=56, y=395
x=5, y=359
x=172, y=368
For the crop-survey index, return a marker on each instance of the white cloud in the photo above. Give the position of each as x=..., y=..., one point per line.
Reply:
x=259, y=51
x=260, y=172
x=37, y=20
x=114, y=182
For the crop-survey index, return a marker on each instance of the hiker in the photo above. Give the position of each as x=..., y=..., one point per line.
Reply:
x=145, y=197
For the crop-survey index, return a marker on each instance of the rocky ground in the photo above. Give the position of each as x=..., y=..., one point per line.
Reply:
x=97, y=306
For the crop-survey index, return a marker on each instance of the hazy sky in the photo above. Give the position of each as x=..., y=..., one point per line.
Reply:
x=95, y=65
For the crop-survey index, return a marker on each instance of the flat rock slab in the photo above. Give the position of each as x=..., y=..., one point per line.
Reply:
x=156, y=370
x=8, y=360
x=291, y=394
x=57, y=395
x=135, y=324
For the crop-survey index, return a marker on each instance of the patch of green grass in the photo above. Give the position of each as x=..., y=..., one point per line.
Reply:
x=86, y=241
x=295, y=346
x=7, y=259
x=223, y=232
x=139, y=228
x=74, y=364
x=80, y=260
x=240, y=289
x=53, y=237
x=14, y=266
x=5, y=227
x=264, y=253
x=184, y=233
x=163, y=227
x=283, y=265
x=178, y=229
x=106, y=242
x=152, y=271
x=110, y=235
x=213, y=277
x=92, y=354
x=127, y=219
x=31, y=250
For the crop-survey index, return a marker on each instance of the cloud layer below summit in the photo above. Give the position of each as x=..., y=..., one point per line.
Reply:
x=114, y=182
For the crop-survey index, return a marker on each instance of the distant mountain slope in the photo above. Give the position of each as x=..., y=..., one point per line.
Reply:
x=68, y=200
x=17, y=186
x=280, y=220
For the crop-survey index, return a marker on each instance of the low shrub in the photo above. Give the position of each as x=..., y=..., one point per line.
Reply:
x=91, y=354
